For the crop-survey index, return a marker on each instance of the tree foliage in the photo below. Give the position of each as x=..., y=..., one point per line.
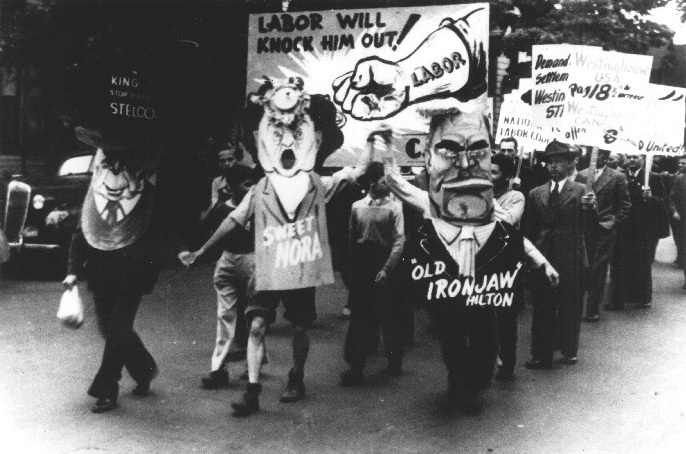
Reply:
x=620, y=25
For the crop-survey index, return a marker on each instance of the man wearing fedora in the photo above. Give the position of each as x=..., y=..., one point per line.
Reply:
x=554, y=217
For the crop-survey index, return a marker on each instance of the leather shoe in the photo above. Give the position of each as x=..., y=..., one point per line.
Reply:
x=142, y=388
x=536, y=363
x=216, y=379
x=249, y=402
x=592, y=318
x=104, y=404
x=569, y=360
x=295, y=390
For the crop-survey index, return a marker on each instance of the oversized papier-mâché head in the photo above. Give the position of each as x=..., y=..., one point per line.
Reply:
x=288, y=130
x=458, y=164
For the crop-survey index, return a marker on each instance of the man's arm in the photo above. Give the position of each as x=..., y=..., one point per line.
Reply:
x=398, y=232
x=240, y=216
x=511, y=209
x=622, y=199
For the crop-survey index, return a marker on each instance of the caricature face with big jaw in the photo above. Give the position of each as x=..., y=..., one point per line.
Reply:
x=458, y=162
x=287, y=149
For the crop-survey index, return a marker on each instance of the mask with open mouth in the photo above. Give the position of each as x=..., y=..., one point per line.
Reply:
x=458, y=162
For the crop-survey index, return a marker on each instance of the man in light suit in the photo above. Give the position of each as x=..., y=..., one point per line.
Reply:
x=613, y=205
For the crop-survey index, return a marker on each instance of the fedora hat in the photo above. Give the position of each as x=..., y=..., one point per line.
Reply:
x=556, y=148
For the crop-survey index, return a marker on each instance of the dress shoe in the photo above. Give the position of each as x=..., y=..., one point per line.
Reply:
x=592, y=318
x=352, y=377
x=104, y=404
x=295, y=390
x=142, y=388
x=216, y=379
x=504, y=375
x=249, y=402
x=536, y=363
x=569, y=360
x=612, y=308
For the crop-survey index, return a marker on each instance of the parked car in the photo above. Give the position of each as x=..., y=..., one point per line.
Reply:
x=42, y=213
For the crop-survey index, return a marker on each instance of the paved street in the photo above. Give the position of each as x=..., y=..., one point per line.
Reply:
x=627, y=394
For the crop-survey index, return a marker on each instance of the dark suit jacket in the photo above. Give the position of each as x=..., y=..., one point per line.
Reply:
x=648, y=217
x=677, y=198
x=612, y=196
x=559, y=236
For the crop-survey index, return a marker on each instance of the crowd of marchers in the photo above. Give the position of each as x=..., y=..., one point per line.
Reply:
x=553, y=235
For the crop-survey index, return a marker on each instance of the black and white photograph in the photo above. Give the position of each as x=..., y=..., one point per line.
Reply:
x=342, y=226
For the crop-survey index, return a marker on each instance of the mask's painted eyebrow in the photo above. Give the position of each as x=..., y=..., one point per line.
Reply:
x=450, y=145
x=478, y=145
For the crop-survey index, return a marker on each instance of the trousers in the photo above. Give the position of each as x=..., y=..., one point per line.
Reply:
x=116, y=312
x=231, y=278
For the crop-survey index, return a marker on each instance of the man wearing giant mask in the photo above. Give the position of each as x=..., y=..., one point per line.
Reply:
x=465, y=263
x=116, y=249
x=291, y=133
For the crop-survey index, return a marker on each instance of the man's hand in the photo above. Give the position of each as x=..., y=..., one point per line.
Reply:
x=552, y=275
x=381, y=278
x=69, y=282
x=188, y=258
x=516, y=183
x=374, y=90
x=647, y=193
x=589, y=201
x=676, y=216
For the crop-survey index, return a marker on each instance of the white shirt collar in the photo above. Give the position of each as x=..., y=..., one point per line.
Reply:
x=560, y=184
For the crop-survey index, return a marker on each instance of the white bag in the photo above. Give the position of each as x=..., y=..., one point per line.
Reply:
x=71, y=308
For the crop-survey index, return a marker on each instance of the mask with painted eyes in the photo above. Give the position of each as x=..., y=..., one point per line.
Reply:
x=287, y=148
x=458, y=163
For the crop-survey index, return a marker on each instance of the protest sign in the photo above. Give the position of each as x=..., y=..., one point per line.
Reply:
x=377, y=65
x=653, y=121
x=553, y=67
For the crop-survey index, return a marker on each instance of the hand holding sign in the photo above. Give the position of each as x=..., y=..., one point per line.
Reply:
x=374, y=90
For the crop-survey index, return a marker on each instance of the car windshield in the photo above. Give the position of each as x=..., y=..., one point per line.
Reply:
x=76, y=165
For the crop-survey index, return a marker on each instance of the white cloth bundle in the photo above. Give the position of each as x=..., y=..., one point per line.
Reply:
x=70, y=311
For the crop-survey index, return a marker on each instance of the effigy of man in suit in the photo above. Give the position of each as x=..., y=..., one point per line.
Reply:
x=613, y=205
x=631, y=275
x=555, y=225
x=290, y=133
x=463, y=264
x=117, y=246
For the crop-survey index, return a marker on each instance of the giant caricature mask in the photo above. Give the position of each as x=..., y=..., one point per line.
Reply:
x=458, y=162
x=287, y=142
x=118, y=204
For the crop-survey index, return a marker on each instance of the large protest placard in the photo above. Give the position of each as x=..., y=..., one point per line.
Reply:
x=652, y=121
x=553, y=66
x=377, y=65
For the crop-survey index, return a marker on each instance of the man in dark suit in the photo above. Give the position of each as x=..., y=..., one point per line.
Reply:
x=631, y=273
x=677, y=202
x=555, y=226
x=613, y=205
